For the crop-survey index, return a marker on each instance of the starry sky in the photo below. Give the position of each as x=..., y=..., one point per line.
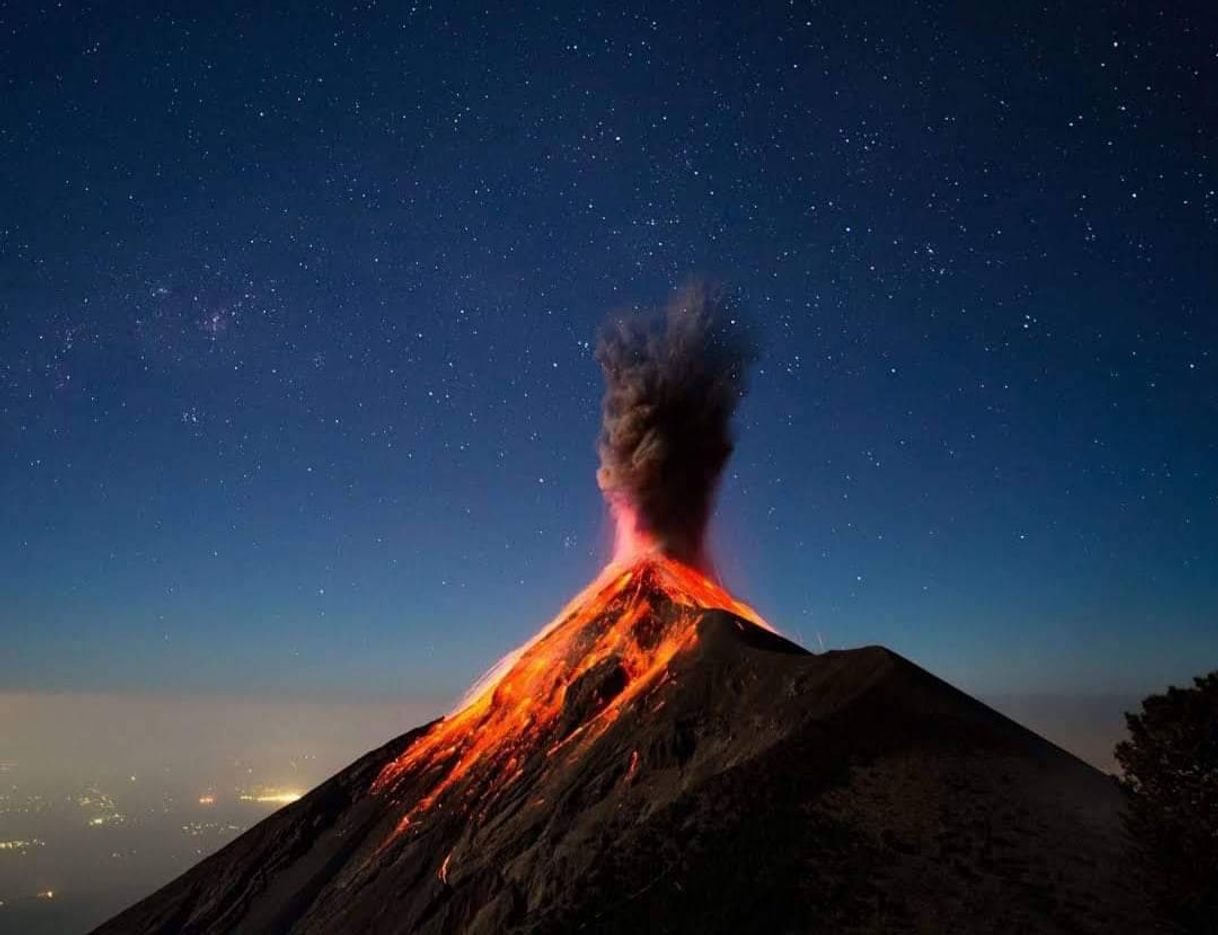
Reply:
x=297, y=312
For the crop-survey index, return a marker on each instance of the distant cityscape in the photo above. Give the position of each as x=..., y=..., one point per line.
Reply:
x=72, y=855
x=106, y=797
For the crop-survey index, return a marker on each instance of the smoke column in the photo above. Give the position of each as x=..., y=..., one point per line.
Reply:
x=673, y=380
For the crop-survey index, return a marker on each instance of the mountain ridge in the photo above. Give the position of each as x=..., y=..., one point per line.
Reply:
x=744, y=782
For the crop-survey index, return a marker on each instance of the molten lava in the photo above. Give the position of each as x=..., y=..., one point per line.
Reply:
x=607, y=649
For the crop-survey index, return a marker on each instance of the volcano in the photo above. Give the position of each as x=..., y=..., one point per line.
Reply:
x=659, y=759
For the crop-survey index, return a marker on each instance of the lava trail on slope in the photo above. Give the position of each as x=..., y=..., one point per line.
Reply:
x=608, y=649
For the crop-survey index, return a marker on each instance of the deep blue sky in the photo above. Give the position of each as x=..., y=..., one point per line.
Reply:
x=296, y=312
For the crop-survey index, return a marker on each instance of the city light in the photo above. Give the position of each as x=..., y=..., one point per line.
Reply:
x=20, y=844
x=273, y=796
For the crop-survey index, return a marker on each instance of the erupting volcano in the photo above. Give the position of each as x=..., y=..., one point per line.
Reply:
x=658, y=758
x=673, y=381
x=610, y=648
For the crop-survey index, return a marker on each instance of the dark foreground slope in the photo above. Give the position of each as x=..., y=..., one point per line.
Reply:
x=759, y=788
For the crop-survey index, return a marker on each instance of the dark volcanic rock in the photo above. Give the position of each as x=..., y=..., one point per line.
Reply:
x=591, y=692
x=757, y=788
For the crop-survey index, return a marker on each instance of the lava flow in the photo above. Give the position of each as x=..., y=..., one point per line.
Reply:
x=565, y=687
x=672, y=382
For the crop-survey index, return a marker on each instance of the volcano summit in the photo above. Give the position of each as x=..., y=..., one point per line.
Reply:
x=660, y=759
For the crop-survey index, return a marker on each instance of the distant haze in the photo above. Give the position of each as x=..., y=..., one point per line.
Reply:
x=1089, y=726
x=68, y=737
x=76, y=736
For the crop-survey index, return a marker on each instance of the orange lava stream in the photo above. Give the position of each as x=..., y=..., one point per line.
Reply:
x=513, y=713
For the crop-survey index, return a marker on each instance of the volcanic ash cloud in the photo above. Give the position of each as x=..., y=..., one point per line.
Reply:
x=673, y=379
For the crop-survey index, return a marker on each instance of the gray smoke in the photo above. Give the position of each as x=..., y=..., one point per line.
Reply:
x=672, y=382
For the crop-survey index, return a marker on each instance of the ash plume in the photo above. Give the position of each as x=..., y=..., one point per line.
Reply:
x=673, y=379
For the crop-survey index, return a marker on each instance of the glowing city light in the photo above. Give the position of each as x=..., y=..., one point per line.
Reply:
x=273, y=797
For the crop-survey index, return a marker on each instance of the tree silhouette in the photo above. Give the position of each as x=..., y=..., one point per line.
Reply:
x=1170, y=762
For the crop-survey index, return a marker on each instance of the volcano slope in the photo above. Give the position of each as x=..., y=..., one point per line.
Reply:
x=658, y=760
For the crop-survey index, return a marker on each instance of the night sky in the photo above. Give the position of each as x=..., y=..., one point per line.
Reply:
x=297, y=313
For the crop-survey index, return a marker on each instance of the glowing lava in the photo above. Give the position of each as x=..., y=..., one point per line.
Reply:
x=609, y=646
